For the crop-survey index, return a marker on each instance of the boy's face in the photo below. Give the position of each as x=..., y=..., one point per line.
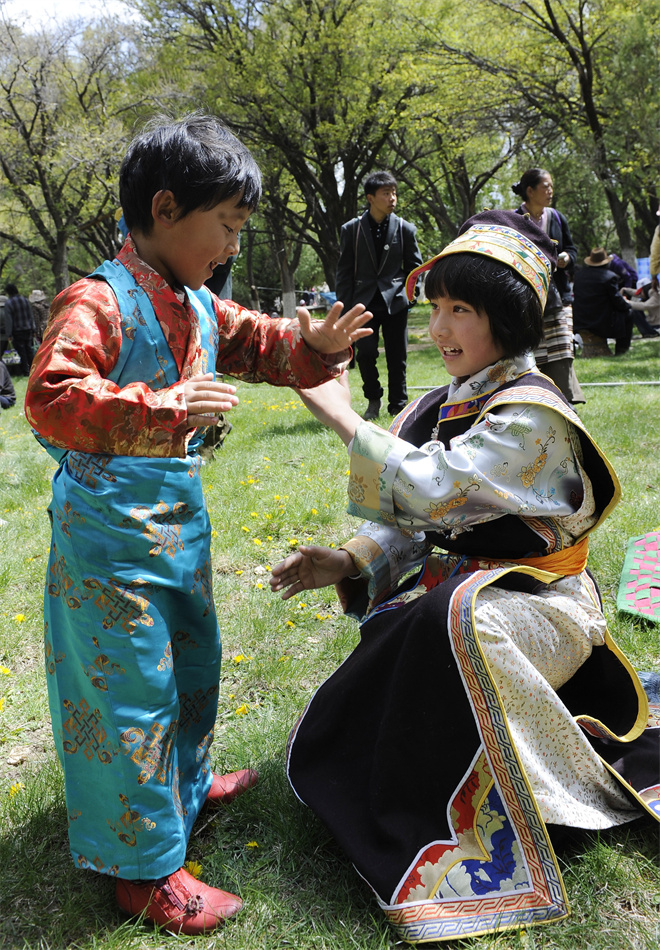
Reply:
x=190, y=247
x=382, y=202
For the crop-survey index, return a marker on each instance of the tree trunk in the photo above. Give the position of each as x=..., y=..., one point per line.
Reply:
x=249, y=267
x=619, y=209
x=60, y=262
x=287, y=276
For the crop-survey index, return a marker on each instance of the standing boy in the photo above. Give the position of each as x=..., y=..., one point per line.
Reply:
x=377, y=251
x=122, y=388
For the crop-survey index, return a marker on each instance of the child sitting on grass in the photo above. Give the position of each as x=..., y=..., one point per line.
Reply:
x=485, y=705
x=120, y=393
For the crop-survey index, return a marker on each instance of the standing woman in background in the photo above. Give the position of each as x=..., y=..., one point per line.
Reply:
x=554, y=355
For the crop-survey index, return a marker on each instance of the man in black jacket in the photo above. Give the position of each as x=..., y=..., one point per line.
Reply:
x=377, y=252
x=598, y=307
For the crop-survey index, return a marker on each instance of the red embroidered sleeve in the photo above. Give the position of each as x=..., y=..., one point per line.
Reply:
x=72, y=404
x=256, y=348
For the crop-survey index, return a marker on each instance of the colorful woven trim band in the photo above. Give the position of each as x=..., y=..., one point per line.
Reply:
x=505, y=245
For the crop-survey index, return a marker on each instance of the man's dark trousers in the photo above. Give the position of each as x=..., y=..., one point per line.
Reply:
x=394, y=327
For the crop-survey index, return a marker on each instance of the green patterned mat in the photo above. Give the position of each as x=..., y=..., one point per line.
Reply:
x=639, y=587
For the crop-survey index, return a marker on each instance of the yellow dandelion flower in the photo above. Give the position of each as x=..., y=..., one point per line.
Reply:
x=293, y=542
x=19, y=618
x=314, y=511
x=269, y=537
x=260, y=586
x=5, y=671
x=301, y=605
x=290, y=623
x=242, y=710
x=252, y=844
x=277, y=497
x=244, y=528
x=194, y=868
x=253, y=514
x=238, y=573
x=331, y=545
x=16, y=788
x=2, y=703
x=257, y=541
x=214, y=533
x=232, y=695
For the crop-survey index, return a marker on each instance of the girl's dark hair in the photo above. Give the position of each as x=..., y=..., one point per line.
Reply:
x=530, y=179
x=196, y=158
x=514, y=311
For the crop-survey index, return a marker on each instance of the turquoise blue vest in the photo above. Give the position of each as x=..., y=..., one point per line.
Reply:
x=144, y=342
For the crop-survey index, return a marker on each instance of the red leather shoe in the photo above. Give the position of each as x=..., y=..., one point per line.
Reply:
x=179, y=903
x=225, y=788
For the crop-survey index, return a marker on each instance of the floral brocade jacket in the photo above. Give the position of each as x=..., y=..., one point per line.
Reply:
x=73, y=405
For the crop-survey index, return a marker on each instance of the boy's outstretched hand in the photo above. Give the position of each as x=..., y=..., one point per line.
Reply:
x=206, y=397
x=335, y=333
x=310, y=566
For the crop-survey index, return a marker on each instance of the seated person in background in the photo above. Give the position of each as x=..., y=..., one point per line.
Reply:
x=627, y=279
x=647, y=300
x=598, y=307
x=627, y=275
x=446, y=746
x=7, y=391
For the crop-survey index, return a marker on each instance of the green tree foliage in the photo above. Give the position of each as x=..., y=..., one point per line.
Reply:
x=589, y=75
x=61, y=142
x=315, y=86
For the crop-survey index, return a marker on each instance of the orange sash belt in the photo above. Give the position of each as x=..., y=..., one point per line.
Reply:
x=567, y=562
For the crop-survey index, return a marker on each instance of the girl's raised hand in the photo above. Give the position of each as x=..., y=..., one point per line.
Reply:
x=310, y=566
x=335, y=333
x=206, y=397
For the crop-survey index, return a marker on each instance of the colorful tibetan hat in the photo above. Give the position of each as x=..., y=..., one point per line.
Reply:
x=505, y=236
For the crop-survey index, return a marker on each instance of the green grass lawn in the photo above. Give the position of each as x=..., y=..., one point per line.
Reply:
x=279, y=480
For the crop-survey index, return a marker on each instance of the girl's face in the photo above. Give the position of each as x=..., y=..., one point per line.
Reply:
x=463, y=336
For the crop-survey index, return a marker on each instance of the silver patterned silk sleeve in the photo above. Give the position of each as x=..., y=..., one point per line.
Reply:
x=518, y=460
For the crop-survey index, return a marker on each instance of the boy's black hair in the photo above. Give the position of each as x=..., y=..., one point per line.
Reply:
x=196, y=158
x=511, y=305
x=379, y=180
x=11, y=290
